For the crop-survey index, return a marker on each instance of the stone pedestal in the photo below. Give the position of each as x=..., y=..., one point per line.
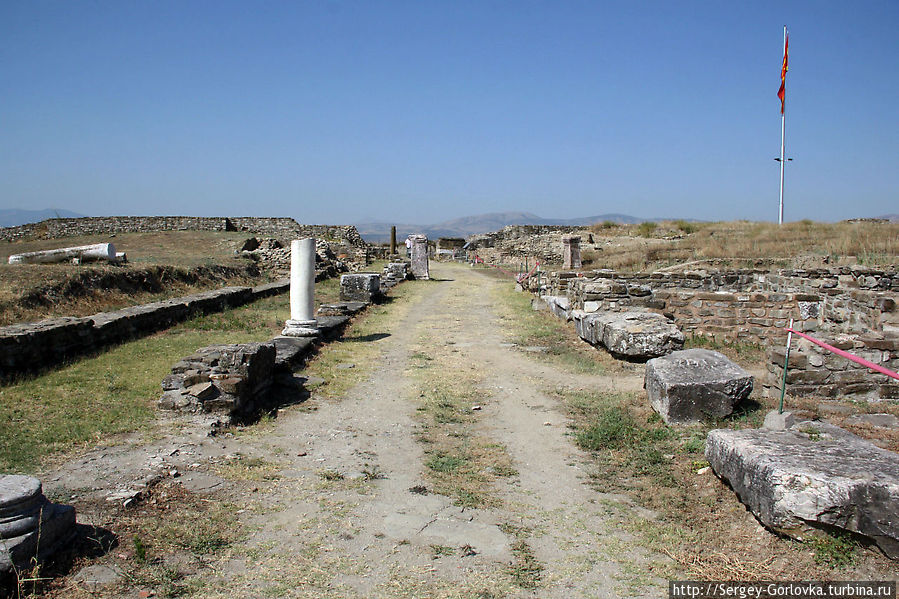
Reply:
x=419, y=256
x=360, y=287
x=571, y=251
x=302, y=289
x=30, y=526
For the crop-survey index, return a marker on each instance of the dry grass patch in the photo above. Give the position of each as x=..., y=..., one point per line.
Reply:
x=743, y=244
x=701, y=524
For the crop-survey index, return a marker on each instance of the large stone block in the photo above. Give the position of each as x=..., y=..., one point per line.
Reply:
x=360, y=287
x=695, y=384
x=812, y=476
x=636, y=335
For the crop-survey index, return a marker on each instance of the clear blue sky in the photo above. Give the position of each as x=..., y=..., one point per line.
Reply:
x=421, y=111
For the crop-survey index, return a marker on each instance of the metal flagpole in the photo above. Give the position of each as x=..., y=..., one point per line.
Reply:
x=783, y=128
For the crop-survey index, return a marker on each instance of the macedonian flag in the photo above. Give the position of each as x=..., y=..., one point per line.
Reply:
x=782, y=92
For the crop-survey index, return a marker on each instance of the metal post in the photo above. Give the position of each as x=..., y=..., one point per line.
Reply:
x=783, y=384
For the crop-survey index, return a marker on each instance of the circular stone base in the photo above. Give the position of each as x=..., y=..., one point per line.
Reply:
x=300, y=328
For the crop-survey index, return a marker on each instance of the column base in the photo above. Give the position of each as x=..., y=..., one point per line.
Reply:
x=300, y=328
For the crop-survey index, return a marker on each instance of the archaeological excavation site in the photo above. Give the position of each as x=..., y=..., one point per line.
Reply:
x=254, y=407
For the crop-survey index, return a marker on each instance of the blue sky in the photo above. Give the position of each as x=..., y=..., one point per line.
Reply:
x=420, y=111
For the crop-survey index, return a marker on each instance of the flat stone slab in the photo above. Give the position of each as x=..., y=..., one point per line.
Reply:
x=692, y=385
x=812, y=476
x=630, y=335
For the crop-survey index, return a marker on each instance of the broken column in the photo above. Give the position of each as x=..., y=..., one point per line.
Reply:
x=571, y=251
x=31, y=528
x=82, y=253
x=393, y=240
x=419, y=256
x=302, y=289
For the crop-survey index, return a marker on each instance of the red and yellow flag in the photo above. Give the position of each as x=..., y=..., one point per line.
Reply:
x=782, y=92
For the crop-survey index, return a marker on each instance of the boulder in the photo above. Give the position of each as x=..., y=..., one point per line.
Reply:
x=632, y=335
x=695, y=384
x=810, y=477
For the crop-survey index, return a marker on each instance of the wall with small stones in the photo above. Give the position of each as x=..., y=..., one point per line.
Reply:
x=815, y=371
x=282, y=228
x=34, y=346
x=543, y=242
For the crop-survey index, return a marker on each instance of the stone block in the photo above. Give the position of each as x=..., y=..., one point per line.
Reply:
x=810, y=477
x=360, y=287
x=694, y=385
x=636, y=335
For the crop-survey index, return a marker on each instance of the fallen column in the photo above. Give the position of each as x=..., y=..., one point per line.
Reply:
x=302, y=290
x=84, y=253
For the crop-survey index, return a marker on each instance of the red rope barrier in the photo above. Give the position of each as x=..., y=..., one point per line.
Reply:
x=847, y=355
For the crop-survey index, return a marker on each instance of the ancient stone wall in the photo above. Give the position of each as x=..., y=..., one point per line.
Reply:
x=282, y=228
x=749, y=305
x=34, y=346
x=543, y=242
x=815, y=371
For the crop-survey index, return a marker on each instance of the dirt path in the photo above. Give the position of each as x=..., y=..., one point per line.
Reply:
x=335, y=498
x=349, y=514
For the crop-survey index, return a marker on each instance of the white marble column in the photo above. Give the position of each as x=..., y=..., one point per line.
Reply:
x=302, y=289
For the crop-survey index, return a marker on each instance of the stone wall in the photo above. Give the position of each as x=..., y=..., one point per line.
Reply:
x=35, y=346
x=281, y=228
x=543, y=242
x=815, y=371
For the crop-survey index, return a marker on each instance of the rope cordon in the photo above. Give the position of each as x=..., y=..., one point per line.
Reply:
x=847, y=355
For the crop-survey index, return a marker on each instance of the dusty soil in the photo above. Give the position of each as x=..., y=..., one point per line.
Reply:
x=331, y=497
x=334, y=497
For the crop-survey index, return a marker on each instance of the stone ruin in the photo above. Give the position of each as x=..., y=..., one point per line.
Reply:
x=800, y=479
x=629, y=335
x=811, y=478
x=419, y=255
x=693, y=385
x=233, y=380
x=571, y=251
x=31, y=527
x=361, y=287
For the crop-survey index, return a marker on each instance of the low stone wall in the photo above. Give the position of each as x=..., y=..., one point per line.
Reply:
x=34, y=346
x=815, y=371
x=749, y=317
x=282, y=228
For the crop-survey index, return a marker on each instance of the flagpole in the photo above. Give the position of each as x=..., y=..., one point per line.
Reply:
x=783, y=129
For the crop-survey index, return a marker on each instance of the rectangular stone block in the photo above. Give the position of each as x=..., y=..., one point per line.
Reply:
x=694, y=385
x=812, y=476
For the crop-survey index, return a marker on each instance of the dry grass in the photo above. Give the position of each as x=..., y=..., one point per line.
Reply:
x=81, y=290
x=743, y=244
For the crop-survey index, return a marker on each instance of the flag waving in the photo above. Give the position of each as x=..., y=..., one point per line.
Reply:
x=782, y=92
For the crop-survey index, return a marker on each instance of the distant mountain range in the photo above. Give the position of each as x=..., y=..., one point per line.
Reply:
x=14, y=217
x=379, y=232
